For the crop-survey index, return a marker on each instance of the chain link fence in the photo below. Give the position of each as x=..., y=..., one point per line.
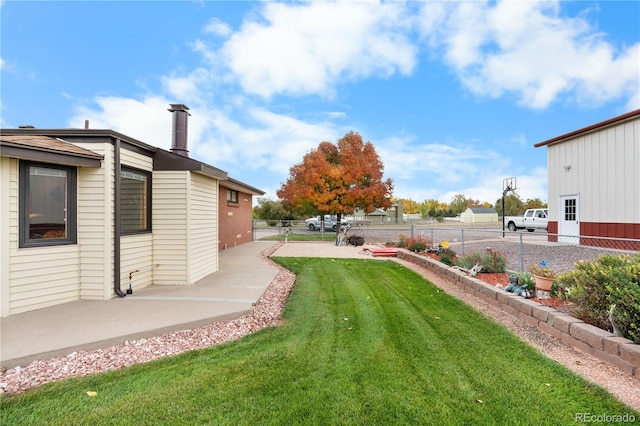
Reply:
x=519, y=248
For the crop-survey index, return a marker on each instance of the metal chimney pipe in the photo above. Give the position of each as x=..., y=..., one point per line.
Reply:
x=179, y=136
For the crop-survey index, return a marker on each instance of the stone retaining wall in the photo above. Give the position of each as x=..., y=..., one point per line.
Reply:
x=617, y=351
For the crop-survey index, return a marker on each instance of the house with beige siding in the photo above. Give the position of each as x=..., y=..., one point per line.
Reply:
x=594, y=183
x=95, y=214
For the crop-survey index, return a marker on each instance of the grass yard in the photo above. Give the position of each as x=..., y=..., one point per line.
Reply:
x=363, y=342
x=315, y=236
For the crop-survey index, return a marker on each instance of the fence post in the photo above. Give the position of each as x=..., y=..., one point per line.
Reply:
x=462, y=238
x=521, y=253
x=412, y=225
x=432, y=240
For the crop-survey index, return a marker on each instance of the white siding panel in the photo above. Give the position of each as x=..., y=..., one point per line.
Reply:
x=95, y=225
x=137, y=260
x=35, y=277
x=604, y=173
x=203, y=226
x=133, y=159
x=43, y=276
x=7, y=191
x=170, y=232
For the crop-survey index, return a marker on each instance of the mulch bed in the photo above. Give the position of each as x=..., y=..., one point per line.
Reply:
x=502, y=279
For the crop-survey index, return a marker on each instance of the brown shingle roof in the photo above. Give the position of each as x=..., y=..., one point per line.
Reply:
x=48, y=144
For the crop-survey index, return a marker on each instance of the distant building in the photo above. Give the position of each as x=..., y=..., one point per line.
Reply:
x=594, y=182
x=479, y=215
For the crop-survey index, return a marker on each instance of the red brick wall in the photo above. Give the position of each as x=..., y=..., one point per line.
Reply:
x=236, y=220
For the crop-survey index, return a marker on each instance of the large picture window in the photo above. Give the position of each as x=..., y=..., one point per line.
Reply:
x=135, y=201
x=47, y=204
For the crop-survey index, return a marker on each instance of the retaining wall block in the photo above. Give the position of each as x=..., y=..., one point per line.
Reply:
x=529, y=319
x=490, y=291
x=572, y=341
x=590, y=334
x=630, y=353
x=504, y=296
x=526, y=306
x=546, y=328
x=612, y=344
x=616, y=361
x=473, y=283
x=561, y=321
x=541, y=312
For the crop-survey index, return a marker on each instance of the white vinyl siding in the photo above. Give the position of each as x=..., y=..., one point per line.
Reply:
x=95, y=226
x=603, y=171
x=185, y=231
x=136, y=251
x=203, y=226
x=38, y=276
x=170, y=199
x=8, y=226
x=136, y=258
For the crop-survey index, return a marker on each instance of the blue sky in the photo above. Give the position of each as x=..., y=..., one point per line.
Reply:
x=453, y=95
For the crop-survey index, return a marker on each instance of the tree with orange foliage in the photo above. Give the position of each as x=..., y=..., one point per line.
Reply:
x=336, y=179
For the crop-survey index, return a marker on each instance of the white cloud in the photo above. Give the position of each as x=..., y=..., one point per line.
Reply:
x=217, y=27
x=309, y=48
x=529, y=50
x=146, y=120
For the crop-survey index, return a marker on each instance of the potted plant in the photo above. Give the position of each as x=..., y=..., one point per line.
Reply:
x=543, y=274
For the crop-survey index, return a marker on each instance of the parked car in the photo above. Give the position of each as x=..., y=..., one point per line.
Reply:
x=330, y=222
x=531, y=220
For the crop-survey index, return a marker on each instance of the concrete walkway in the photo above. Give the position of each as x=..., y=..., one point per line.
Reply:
x=87, y=324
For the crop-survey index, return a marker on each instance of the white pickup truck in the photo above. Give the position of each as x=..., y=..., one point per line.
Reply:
x=330, y=222
x=531, y=220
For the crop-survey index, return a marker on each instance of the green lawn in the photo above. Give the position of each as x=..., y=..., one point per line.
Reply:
x=315, y=236
x=362, y=342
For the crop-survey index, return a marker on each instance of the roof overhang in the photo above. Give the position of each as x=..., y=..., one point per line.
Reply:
x=594, y=127
x=168, y=161
x=48, y=150
x=236, y=185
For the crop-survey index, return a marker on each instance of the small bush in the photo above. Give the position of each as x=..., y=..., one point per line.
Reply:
x=414, y=244
x=448, y=257
x=486, y=260
x=596, y=286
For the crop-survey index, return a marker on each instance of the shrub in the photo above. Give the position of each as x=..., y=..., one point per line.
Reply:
x=525, y=278
x=448, y=257
x=485, y=259
x=414, y=244
x=610, y=280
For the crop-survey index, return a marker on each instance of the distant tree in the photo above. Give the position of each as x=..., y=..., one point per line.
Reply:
x=409, y=206
x=535, y=203
x=459, y=204
x=271, y=210
x=335, y=179
x=513, y=205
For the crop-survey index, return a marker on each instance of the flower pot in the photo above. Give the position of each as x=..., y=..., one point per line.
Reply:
x=543, y=283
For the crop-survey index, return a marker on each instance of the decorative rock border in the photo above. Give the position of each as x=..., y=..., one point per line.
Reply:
x=617, y=351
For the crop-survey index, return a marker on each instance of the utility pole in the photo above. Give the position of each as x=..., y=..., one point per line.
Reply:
x=508, y=185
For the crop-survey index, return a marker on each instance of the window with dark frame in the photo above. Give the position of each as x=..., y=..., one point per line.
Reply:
x=48, y=194
x=135, y=201
x=232, y=196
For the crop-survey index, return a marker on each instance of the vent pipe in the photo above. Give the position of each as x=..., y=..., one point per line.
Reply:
x=179, y=136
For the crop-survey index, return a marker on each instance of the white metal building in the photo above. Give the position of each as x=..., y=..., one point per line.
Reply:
x=594, y=182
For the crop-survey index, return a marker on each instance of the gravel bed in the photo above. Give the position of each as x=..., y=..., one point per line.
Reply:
x=267, y=313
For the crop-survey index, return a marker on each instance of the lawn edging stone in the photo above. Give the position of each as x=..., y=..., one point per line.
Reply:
x=617, y=351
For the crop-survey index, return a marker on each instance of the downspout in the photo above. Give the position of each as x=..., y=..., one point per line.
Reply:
x=116, y=218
